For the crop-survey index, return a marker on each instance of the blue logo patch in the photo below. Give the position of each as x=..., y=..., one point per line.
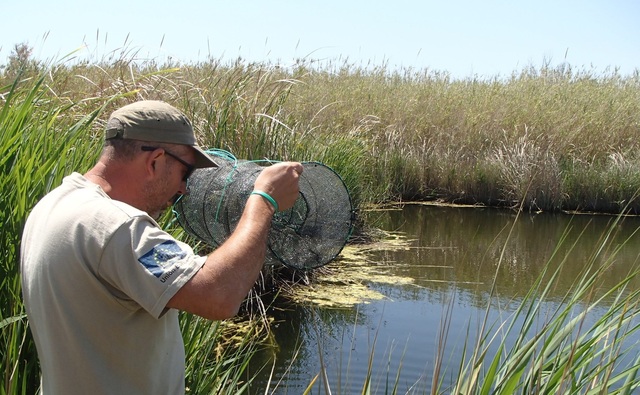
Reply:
x=159, y=260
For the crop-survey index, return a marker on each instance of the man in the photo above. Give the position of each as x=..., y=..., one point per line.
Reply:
x=102, y=283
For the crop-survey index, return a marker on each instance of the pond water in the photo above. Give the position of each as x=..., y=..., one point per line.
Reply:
x=452, y=256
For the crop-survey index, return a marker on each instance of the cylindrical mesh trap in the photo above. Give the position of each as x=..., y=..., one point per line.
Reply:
x=307, y=236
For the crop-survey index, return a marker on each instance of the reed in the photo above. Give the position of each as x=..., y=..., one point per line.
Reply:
x=485, y=141
x=41, y=143
x=565, y=136
x=557, y=349
x=218, y=354
x=551, y=137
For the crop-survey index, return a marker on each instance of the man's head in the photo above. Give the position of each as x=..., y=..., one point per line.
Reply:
x=155, y=121
x=150, y=150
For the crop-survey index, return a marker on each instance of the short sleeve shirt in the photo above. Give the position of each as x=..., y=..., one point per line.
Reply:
x=97, y=275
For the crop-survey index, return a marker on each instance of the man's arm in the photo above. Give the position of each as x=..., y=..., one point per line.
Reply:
x=217, y=290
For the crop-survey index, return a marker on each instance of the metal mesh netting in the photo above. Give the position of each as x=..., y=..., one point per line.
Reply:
x=307, y=236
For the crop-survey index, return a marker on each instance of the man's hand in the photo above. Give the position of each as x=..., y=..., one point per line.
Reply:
x=280, y=181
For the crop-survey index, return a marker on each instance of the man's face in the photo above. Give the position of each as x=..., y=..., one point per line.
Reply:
x=163, y=191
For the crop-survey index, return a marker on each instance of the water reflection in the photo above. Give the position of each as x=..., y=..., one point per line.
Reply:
x=465, y=245
x=455, y=256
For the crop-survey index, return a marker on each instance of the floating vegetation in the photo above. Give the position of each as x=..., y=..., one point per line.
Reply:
x=348, y=280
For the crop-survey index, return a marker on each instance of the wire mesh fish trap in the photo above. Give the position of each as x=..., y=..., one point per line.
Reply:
x=307, y=236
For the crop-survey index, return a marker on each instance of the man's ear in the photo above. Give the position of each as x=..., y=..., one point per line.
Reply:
x=152, y=160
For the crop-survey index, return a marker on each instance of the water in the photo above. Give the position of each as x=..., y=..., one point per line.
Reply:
x=453, y=261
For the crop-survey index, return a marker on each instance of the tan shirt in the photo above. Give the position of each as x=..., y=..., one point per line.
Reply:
x=96, y=276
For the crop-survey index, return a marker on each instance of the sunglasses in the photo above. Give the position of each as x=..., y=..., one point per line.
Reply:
x=190, y=167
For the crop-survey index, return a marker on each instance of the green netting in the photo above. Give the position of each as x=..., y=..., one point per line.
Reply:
x=307, y=236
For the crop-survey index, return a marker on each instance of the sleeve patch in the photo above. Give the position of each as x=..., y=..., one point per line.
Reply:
x=161, y=258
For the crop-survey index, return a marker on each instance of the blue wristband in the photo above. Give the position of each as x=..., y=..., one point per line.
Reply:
x=268, y=197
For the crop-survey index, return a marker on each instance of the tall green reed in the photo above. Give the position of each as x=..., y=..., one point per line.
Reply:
x=41, y=143
x=218, y=354
x=580, y=344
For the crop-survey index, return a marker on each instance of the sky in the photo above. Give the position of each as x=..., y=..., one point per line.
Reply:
x=463, y=38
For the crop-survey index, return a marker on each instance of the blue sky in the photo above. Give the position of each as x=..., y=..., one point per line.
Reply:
x=464, y=38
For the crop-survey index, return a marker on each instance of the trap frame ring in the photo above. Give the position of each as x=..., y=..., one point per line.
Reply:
x=305, y=237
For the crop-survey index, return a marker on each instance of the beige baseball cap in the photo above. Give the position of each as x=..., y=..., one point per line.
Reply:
x=152, y=120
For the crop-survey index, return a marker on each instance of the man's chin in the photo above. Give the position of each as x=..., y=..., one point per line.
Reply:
x=156, y=214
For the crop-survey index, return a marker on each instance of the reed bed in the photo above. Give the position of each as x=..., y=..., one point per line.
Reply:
x=547, y=138
x=553, y=137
